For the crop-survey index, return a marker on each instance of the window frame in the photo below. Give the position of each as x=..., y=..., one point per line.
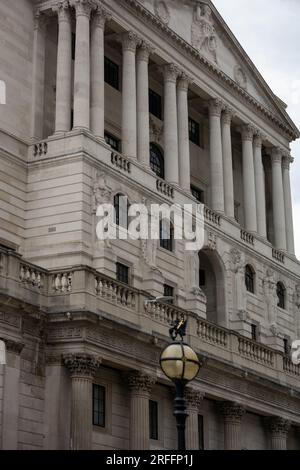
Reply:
x=121, y=278
x=155, y=435
x=110, y=137
x=254, y=332
x=250, y=279
x=158, y=101
x=109, y=77
x=283, y=293
x=120, y=215
x=166, y=244
x=169, y=294
x=104, y=413
x=194, y=132
x=160, y=156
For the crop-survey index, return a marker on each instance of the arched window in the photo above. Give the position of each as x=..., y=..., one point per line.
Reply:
x=121, y=210
x=157, y=163
x=166, y=234
x=250, y=279
x=281, y=293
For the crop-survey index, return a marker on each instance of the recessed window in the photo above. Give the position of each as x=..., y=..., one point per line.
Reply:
x=122, y=273
x=72, y=118
x=169, y=292
x=202, y=278
x=166, y=234
x=111, y=73
x=198, y=194
x=157, y=163
x=121, y=210
x=201, y=432
x=254, y=335
x=98, y=405
x=194, y=132
x=249, y=279
x=112, y=141
x=281, y=294
x=153, y=420
x=73, y=45
x=287, y=347
x=155, y=104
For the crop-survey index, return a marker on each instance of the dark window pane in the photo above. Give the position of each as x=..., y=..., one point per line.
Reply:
x=98, y=405
x=121, y=210
x=194, y=132
x=254, y=332
x=157, y=161
x=166, y=235
x=111, y=73
x=287, y=348
x=73, y=45
x=153, y=420
x=122, y=273
x=169, y=292
x=72, y=118
x=112, y=141
x=202, y=278
x=198, y=194
x=249, y=279
x=201, y=432
x=280, y=295
x=155, y=106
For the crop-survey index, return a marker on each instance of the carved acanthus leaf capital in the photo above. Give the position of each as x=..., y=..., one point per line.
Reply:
x=184, y=81
x=194, y=398
x=82, y=364
x=140, y=382
x=144, y=51
x=286, y=161
x=248, y=131
x=227, y=115
x=101, y=17
x=40, y=20
x=278, y=426
x=216, y=106
x=276, y=155
x=232, y=412
x=258, y=139
x=171, y=73
x=84, y=7
x=130, y=41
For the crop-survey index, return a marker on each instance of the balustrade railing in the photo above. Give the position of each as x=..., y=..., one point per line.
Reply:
x=113, y=291
x=247, y=237
x=256, y=352
x=290, y=368
x=165, y=188
x=121, y=162
x=211, y=216
x=212, y=333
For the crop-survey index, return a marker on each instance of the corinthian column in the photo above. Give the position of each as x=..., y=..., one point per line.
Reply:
x=97, y=72
x=129, y=121
x=287, y=160
x=227, y=162
x=232, y=414
x=82, y=64
x=260, y=187
x=216, y=159
x=183, y=132
x=171, y=124
x=82, y=368
x=249, y=179
x=194, y=399
x=278, y=200
x=279, y=429
x=64, y=68
x=143, y=132
x=140, y=387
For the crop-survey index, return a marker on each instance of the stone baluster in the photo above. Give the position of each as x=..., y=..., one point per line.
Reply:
x=183, y=132
x=143, y=131
x=82, y=369
x=249, y=179
x=287, y=160
x=232, y=414
x=194, y=400
x=216, y=158
x=260, y=186
x=227, y=162
x=278, y=200
x=279, y=429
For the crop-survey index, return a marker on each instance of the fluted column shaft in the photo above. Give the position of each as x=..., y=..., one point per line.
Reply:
x=227, y=163
x=129, y=98
x=82, y=368
x=143, y=131
x=278, y=200
x=171, y=124
x=279, y=429
x=232, y=414
x=64, y=69
x=82, y=64
x=183, y=133
x=194, y=399
x=260, y=187
x=288, y=205
x=140, y=388
x=216, y=157
x=97, y=72
x=249, y=179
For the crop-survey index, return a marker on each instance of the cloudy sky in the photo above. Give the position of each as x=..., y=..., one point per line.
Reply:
x=269, y=31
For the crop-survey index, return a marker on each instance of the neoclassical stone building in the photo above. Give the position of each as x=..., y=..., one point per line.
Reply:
x=155, y=100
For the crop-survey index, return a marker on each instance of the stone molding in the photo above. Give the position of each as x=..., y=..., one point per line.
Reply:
x=130, y=41
x=194, y=398
x=232, y=412
x=12, y=346
x=81, y=364
x=139, y=381
x=278, y=426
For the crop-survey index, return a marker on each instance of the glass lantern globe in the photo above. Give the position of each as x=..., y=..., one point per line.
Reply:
x=179, y=362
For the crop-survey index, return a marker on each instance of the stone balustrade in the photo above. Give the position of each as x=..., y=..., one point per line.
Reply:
x=165, y=313
x=40, y=149
x=165, y=188
x=62, y=282
x=256, y=352
x=290, y=368
x=120, y=162
x=278, y=255
x=115, y=292
x=212, y=217
x=31, y=276
x=247, y=237
x=212, y=334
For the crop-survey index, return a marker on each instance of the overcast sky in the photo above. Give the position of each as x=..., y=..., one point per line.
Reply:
x=269, y=31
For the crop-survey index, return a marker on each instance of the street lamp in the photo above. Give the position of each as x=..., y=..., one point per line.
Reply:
x=180, y=363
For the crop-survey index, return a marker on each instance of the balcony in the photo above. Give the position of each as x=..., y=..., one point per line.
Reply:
x=83, y=289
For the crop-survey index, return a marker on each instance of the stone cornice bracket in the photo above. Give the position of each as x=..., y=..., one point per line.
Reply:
x=145, y=49
x=227, y=115
x=101, y=17
x=248, y=131
x=40, y=20
x=130, y=41
x=81, y=364
x=216, y=106
x=232, y=412
x=170, y=72
x=83, y=7
x=194, y=398
x=278, y=426
x=276, y=155
x=184, y=81
x=15, y=347
x=139, y=382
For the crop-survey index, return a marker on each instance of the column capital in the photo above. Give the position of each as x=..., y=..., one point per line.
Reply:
x=130, y=41
x=81, y=364
x=258, y=139
x=145, y=49
x=247, y=131
x=277, y=155
x=227, y=115
x=193, y=398
x=40, y=20
x=232, y=412
x=171, y=73
x=184, y=81
x=62, y=9
x=216, y=106
x=278, y=426
x=83, y=7
x=101, y=17
x=139, y=381
x=286, y=161
x=13, y=346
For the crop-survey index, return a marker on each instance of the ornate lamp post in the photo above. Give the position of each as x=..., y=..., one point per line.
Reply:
x=180, y=363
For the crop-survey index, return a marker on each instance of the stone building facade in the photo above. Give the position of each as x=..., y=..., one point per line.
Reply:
x=79, y=128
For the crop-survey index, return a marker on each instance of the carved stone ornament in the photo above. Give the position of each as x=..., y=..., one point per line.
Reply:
x=83, y=7
x=156, y=129
x=204, y=37
x=297, y=296
x=232, y=412
x=278, y=426
x=162, y=11
x=13, y=346
x=101, y=191
x=240, y=76
x=139, y=382
x=101, y=17
x=236, y=260
x=211, y=241
x=193, y=398
x=81, y=364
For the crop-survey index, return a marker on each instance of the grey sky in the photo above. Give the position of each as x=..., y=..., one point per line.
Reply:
x=269, y=31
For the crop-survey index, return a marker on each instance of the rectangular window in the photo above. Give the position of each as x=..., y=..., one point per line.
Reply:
x=202, y=278
x=169, y=292
x=111, y=73
x=72, y=118
x=201, y=432
x=286, y=345
x=98, y=406
x=194, y=132
x=198, y=194
x=153, y=420
x=122, y=273
x=155, y=104
x=254, y=332
x=73, y=45
x=112, y=141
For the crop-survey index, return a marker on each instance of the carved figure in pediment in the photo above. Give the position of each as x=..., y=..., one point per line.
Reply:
x=162, y=11
x=204, y=37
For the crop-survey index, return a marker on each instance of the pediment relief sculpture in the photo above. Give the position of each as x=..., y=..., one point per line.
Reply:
x=240, y=76
x=204, y=37
x=162, y=11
